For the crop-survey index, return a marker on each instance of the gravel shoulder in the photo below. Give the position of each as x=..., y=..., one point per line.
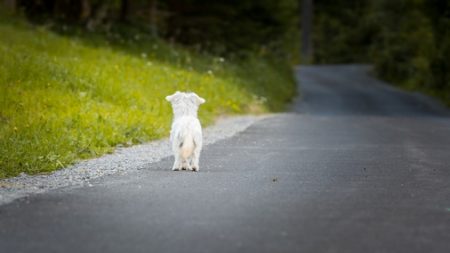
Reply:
x=123, y=160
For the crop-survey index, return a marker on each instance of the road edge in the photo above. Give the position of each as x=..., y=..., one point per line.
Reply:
x=122, y=161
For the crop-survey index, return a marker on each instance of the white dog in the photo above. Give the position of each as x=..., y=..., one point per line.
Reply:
x=186, y=132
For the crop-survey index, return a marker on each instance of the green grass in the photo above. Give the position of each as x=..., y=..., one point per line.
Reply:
x=66, y=96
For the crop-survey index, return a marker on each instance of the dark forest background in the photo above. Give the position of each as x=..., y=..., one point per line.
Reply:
x=407, y=41
x=220, y=27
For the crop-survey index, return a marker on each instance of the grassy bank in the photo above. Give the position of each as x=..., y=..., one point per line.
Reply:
x=76, y=95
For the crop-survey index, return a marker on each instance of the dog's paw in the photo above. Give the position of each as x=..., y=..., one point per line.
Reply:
x=195, y=169
x=175, y=169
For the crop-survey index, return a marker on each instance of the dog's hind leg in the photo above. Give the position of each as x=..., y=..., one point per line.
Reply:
x=185, y=164
x=177, y=163
x=198, y=143
x=195, y=159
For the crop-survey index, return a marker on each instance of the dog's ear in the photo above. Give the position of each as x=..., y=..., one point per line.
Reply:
x=198, y=100
x=169, y=98
x=173, y=96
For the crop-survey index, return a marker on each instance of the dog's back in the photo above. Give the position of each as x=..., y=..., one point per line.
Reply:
x=187, y=131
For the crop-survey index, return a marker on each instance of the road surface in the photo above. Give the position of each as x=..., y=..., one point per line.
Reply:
x=356, y=167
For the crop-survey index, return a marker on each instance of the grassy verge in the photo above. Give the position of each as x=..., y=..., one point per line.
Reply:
x=65, y=97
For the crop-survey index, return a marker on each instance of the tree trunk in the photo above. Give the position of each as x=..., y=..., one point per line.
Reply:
x=11, y=5
x=153, y=17
x=85, y=10
x=307, y=26
x=99, y=14
x=124, y=6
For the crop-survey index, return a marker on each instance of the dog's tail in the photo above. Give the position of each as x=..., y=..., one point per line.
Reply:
x=187, y=146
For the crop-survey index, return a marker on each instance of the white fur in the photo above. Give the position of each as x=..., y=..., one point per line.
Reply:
x=186, y=132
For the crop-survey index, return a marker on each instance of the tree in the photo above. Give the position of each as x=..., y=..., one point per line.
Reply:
x=124, y=6
x=10, y=4
x=307, y=24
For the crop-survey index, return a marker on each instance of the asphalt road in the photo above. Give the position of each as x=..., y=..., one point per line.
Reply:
x=357, y=167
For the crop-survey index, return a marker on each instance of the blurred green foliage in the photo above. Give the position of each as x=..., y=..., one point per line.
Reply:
x=408, y=41
x=221, y=27
x=236, y=26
